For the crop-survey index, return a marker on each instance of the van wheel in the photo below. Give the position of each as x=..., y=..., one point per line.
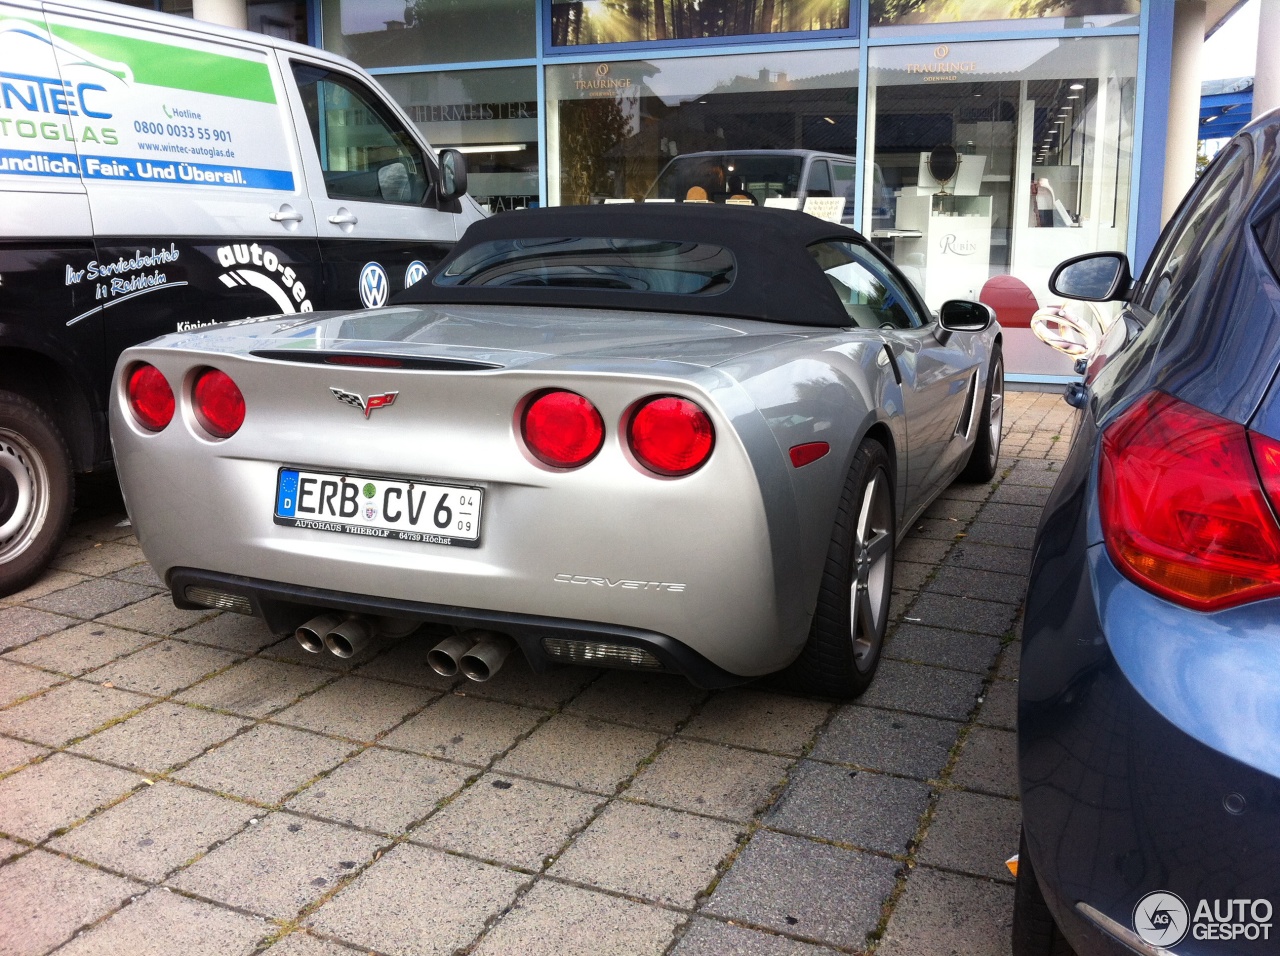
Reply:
x=843, y=650
x=37, y=490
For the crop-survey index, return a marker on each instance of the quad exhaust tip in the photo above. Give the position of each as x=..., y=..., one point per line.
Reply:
x=311, y=635
x=345, y=635
x=477, y=654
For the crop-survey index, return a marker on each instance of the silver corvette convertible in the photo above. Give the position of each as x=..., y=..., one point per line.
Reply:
x=668, y=437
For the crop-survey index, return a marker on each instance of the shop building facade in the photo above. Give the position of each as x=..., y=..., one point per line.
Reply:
x=1058, y=112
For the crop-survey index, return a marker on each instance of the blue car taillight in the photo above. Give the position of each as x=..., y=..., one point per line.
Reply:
x=1183, y=505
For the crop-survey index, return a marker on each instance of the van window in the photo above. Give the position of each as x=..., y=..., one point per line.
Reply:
x=819, y=180
x=365, y=152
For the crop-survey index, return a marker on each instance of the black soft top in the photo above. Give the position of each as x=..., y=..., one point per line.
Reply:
x=775, y=279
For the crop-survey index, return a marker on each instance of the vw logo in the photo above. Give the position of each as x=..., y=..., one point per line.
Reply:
x=374, y=286
x=416, y=271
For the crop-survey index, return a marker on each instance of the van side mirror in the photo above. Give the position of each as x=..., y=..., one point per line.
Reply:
x=1096, y=277
x=453, y=176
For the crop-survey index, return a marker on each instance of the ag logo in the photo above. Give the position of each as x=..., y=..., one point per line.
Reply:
x=1161, y=918
x=366, y=405
x=374, y=286
x=416, y=272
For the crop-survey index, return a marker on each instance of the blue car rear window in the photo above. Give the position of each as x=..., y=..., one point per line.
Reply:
x=596, y=263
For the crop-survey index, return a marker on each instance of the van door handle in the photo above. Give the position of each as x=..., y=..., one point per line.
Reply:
x=344, y=218
x=286, y=213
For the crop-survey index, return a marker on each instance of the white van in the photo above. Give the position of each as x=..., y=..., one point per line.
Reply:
x=159, y=174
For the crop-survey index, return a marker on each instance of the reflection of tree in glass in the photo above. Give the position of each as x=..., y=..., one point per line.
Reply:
x=588, y=130
x=950, y=11
x=575, y=22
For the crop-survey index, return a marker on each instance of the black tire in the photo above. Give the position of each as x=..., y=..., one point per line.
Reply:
x=847, y=635
x=1034, y=931
x=37, y=491
x=984, y=458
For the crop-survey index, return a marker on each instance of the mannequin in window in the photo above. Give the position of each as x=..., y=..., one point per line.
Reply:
x=1045, y=199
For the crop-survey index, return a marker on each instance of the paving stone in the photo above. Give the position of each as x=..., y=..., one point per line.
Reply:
x=160, y=737
x=235, y=632
x=759, y=720
x=1040, y=474
x=985, y=585
x=923, y=690
x=708, y=937
x=79, y=649
x=809, y=889
x=924, y=550
x=509, y=820
x=282, y=864
x=910, y=576
x=18, y=625
x=356, y=707
x=963, y=511
x=140, y=574
x=1000, y=708
x=555, y=920
x=106, y=527
x=1018, y=494
x=100, y=558
x=418, y=902
x=963, y=614
x=48, y=796
x=17, y=681
x=15, y=753
x=68, y=711
x=463, y=728
x=156, y=830
x=989, y=762
x=940, y=529
x=300, y=944
x=987, y=557
x=9, y=849
x=382, y=790
x=945, y=648
x=888, y=741
x=47, y=583
x=256, y=688
x=266, y=763
x=1010, y=661
x=581, y=753
x=162, y=923
x=941, y=914
x=517, y=684
x=1005, y=535
x=967, y=492
x=855, y=807
x=972, y=833
x=157, y=615
x=661, y=855
x=163, y=668
x=46, y=899
x=93, y=598
x=659, y=702
x=707, y=778
x=1019, y=515
x=405, y=662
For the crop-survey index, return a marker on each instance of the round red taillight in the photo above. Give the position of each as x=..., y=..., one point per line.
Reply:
x=219, y=406
x=562, y=429
x=671, y=436
x=150, y=397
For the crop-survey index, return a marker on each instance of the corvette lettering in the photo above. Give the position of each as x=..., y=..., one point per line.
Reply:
x=625, y=583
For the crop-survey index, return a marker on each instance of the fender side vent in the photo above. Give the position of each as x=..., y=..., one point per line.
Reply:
x=965, y=425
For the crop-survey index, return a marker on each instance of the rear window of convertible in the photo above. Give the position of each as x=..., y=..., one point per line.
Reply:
x=636, y=265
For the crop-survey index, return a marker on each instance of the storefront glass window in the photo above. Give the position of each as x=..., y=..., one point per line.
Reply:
x=585, y=22
x=491, y=115
x=956, y=17
x=1040, y=139
x=757, y=123
x=414, y=32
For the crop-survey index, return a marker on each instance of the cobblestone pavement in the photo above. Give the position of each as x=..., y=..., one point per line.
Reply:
x=179, y=782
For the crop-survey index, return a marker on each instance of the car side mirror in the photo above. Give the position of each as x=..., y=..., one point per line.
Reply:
x=453, y=175
x=961, y=315
x=1096, y=277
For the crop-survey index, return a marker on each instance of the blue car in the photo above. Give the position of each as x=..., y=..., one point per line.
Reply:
x=1149, y=694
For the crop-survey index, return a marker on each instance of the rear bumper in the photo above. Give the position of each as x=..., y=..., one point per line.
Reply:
x=286, y=606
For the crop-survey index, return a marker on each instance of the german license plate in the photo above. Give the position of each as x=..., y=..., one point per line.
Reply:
x=424, y=511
